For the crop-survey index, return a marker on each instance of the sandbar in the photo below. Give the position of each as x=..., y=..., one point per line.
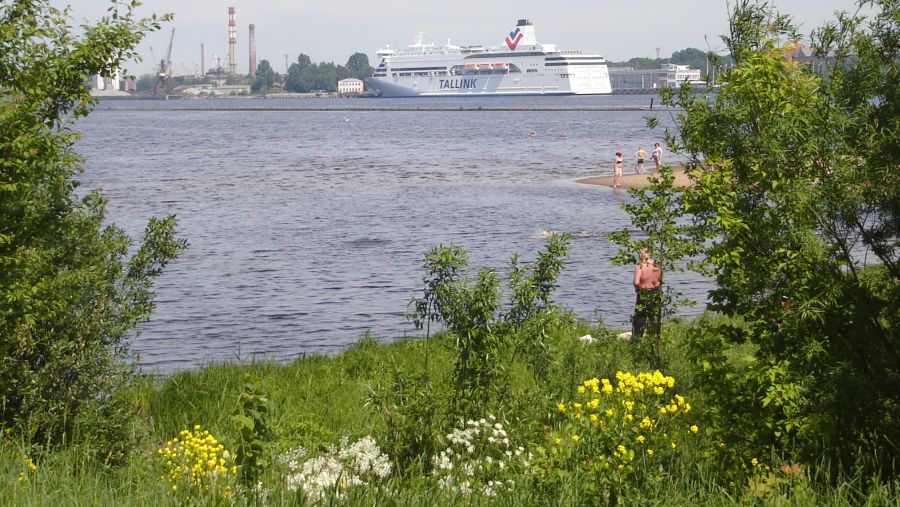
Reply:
x=636, y=180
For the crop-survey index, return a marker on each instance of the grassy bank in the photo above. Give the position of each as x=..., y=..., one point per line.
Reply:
x=400, y=395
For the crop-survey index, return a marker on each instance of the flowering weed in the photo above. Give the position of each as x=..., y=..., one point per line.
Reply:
x=480, y=459
x=346, y=466
x=613, y=433
x=196, y=464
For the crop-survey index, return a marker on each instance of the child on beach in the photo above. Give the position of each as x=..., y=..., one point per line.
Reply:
x=617, y=169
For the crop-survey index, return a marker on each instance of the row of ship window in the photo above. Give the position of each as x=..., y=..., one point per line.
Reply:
x=460, y=70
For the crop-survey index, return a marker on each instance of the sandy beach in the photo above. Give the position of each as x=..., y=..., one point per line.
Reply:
x=636, y=180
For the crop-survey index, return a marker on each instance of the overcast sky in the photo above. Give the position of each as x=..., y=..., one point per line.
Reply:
x=332, y=31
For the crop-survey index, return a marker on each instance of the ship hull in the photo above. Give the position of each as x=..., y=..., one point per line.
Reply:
x=449, y=86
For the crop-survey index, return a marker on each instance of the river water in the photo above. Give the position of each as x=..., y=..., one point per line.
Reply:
x=308, y=219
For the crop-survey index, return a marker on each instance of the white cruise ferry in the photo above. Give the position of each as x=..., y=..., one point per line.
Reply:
x=521, y=66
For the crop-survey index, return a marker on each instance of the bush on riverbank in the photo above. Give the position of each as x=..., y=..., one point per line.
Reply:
x=72, y=286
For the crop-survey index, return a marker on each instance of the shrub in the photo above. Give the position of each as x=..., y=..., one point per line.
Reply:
x=69, y=292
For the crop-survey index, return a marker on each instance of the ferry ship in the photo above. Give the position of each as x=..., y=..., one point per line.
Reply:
x=521, y=66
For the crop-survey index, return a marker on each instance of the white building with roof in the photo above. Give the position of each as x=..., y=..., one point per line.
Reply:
x=676, y=75
x=349, y=86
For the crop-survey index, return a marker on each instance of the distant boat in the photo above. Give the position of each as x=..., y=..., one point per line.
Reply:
x=521, y=66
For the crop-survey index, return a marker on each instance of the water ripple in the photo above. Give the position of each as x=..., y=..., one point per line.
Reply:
x=307, y=231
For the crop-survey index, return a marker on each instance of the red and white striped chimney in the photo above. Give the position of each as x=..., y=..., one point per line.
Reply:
x=232, y=42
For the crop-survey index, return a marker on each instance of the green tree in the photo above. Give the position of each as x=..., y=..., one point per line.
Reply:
x=658, y=212
x=797, y=191
x=265, y=77
x=358, y=66
x=69, y=294
x=297, y=77
x=146, y=83
x=693, y=57
x=303, y=61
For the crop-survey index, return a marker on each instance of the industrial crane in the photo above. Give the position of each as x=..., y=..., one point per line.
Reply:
x=165, y=67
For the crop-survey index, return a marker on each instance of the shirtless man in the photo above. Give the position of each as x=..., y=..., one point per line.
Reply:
x=640, y=155
x=647, y=279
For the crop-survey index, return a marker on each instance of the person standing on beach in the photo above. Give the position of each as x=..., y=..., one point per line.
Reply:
x=647, y=282
x=657, y=156
x=617, y=169
x=640, y=154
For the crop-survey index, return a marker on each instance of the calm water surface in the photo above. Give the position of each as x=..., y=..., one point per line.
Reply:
x=307, y=228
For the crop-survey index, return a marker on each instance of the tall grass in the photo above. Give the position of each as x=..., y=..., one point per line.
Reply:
x=319, y=400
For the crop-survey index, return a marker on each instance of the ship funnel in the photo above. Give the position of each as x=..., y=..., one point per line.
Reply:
x=522, y=34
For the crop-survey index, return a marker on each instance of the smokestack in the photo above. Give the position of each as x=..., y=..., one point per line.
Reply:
x=232, y=42
x=252, y=50
x=202, y=60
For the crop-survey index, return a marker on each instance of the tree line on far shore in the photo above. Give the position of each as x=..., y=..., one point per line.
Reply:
x=304, y=76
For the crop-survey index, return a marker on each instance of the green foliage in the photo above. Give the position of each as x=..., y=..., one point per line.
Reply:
x=692, y=57
x=69, y=294
x=470, y=307
x=323, y=402
x=265, y=77
x=617, y=435
x=146, y=83
x=443, y=266
x=657, y=211
x=795, y=190
x=358, y=66
x=415, y=413
x=305, y=76
x=253, y=421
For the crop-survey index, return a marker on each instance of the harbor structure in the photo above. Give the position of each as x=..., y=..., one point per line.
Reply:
x=252, y=39
x=232, y=42
x=669, y=75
